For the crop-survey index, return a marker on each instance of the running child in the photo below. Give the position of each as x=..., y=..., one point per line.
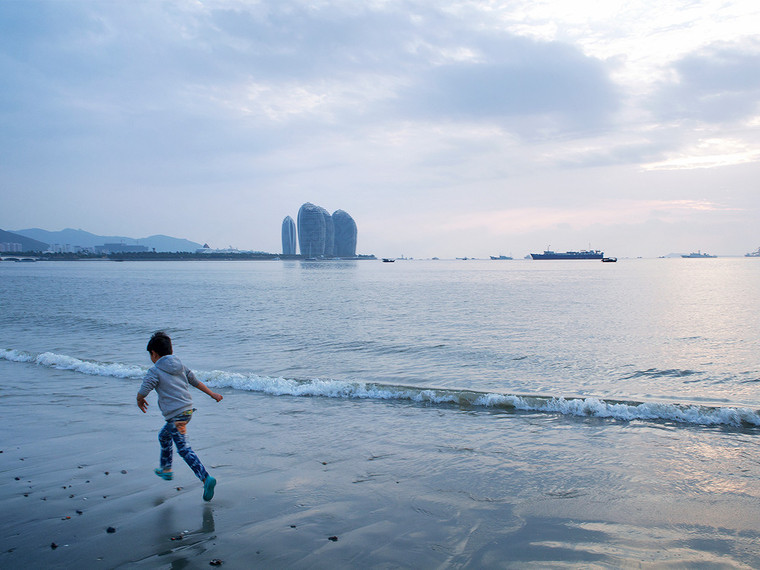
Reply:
x=172, y=380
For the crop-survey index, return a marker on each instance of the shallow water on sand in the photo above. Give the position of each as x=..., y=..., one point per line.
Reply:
x=399, y=484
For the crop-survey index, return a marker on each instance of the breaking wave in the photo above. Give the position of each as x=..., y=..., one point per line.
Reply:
x=584, y=407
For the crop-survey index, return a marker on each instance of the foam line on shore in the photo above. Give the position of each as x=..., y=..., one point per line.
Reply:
x=315, y=387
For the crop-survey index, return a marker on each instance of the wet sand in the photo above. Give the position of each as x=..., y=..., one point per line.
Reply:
x=321, y=483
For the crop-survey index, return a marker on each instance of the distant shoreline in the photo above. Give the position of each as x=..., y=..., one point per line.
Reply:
x=175, y=256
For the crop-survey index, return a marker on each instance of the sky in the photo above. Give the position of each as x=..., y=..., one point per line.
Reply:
x=444, y=128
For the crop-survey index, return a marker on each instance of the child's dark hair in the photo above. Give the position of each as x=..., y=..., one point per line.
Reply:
x=160, y=343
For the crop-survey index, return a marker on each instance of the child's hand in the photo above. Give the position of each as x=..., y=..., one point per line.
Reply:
x=217, y=397
x=142, y=403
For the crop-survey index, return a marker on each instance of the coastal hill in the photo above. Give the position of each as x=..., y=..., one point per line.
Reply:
x=27, y=243
x=83, y=239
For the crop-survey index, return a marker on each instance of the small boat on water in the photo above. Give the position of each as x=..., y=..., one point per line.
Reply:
x=609, y=259
x=388, y=260
x=500, y=257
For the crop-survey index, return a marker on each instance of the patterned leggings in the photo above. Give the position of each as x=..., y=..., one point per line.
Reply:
x=175, y=430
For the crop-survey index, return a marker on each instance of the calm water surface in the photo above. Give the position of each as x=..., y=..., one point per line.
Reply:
x=665, y=330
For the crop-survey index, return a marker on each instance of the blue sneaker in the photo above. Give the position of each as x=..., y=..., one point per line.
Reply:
x=208, y=488
x=165, y=475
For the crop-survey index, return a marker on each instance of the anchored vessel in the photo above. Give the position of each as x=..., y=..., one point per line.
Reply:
x=582, y=254
x=698, y=254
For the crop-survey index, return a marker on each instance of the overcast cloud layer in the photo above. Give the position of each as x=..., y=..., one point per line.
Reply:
x=445, y=129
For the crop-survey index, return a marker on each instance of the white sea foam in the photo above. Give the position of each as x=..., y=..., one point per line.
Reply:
x=593, y=407
x=63, y=362
x=588, y=407
x=16, y=356
x=585, y=407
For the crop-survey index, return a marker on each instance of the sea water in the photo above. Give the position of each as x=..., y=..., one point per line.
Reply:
x=661, y=339
x=620, y=402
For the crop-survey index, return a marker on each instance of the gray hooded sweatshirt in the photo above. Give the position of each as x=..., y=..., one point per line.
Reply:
x=171, y=380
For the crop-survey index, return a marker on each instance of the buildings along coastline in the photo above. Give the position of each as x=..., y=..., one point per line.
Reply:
x=318, y=234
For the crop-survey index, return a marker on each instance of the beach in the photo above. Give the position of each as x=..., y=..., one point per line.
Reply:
x=422, y=415
x=308, y=482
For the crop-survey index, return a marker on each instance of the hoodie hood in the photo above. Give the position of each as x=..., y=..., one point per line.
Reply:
x=170, y=364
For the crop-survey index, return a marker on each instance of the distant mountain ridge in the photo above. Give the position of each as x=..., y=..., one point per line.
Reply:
x=85, y=239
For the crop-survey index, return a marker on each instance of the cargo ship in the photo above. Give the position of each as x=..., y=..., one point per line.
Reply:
x=582, y=254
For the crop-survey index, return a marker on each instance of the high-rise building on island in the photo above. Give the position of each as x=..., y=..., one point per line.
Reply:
x=311, y=230
x=345, y=234
x=288, y=236
x=321, y=234
x=329, y=234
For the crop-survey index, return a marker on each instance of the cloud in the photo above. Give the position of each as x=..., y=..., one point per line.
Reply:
x=519, y=83
x=708, y=109
x=708, y=153
x=386, y=108
x=609, y=213
x=717, y=84
x=111, y=83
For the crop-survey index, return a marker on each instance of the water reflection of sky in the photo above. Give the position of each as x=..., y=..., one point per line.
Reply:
x=707, y=323
x=659, y=329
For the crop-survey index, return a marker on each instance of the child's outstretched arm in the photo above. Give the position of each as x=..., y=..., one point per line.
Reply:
x=203, y=388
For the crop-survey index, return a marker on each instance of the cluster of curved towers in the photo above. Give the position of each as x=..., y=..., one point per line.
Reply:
x=319, y=233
